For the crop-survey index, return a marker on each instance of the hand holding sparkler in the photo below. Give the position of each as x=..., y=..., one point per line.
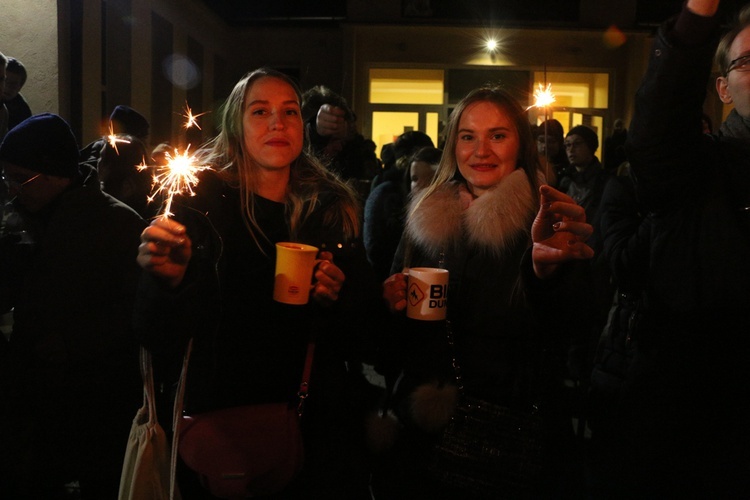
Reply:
x=559, y=232
x=165, y=250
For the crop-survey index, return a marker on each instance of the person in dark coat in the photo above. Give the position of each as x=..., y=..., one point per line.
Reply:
x=586, y=181
x=18, y=108
x=549, y=144
x=614, y=147
x=385, y=208
x=477, y=220
x=210, y=276
x=3, y=110
x=121, y=177
x=330, y=126
x=69, y=381
x=679, y=425
x=122, y=120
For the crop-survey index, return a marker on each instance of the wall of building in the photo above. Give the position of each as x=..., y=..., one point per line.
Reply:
x=528, y=49
x=336, y=55
x=29, y=33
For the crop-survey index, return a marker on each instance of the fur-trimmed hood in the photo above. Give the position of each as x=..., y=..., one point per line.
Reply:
x=494, y=221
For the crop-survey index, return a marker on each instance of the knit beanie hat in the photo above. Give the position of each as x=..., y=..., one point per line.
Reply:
x=43, y=143
x=126, y=120
x=587, y=134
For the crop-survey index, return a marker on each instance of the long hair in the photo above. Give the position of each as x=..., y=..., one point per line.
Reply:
x=308, y=177
x=528, y=158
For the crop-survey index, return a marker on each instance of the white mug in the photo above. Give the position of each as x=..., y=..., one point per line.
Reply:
x=427, y=293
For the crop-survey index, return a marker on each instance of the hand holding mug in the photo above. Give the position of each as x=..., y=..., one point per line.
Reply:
x=329, y=280
x=394, y=292
x=427, y=293
x=295, y=265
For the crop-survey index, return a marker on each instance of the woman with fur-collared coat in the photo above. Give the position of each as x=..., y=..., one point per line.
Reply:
x=477, y=219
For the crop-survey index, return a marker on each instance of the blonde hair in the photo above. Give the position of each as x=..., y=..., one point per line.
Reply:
x=308, y=177
x=528, y=157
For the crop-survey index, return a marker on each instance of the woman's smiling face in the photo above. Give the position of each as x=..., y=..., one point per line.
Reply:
x=487, y=146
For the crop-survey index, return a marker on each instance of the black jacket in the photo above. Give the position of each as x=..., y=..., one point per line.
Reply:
x=250, y=349
x=687, y=403
x=69, y=383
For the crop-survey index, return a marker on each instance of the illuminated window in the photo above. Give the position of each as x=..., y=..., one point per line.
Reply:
x=580, y=98
x=578, y=90
x=406, y=86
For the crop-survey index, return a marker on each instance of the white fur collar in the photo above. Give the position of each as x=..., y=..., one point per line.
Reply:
x=494, y=221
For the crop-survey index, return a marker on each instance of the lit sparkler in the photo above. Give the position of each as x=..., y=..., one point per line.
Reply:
x=177, y=177
x=191, y=119
x=543, y=97
x=112, y=139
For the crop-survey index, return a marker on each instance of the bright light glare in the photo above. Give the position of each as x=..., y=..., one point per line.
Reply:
x=491, y=45
x=543, y=97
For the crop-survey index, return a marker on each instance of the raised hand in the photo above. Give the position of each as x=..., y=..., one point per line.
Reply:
x=559, y=232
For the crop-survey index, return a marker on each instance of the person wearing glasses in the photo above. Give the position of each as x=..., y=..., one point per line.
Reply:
x=69, y=377
x=585, y=183
x=677, y=427
x=587, y=178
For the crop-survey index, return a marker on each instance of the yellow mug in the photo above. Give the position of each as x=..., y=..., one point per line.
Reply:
x=294, y=269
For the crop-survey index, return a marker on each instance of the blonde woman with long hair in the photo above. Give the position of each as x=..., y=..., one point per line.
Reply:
x=210, y=276
x=500, y=233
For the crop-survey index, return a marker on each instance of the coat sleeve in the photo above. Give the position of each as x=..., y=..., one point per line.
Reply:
x=165, y=319
x=626, y=231
x=665, y=132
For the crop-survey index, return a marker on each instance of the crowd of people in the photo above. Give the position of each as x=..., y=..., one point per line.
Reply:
x=593, y=346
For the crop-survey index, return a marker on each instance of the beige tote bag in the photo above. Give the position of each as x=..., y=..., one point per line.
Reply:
x=148, y=471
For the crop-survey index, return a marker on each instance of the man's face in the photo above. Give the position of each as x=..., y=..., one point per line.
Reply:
x=578, y=151
x=30, y=189
x=734, y=88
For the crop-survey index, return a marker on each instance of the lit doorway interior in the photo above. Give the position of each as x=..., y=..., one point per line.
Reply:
x=405, y=99
x=421, y=99
x=580, y=99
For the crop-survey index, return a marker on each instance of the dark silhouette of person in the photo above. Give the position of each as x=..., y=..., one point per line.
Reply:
x=69, y=381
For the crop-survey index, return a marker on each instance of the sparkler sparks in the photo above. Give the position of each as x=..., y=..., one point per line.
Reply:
x=112, y=139
x=177, y=177
x=191, y=119
x=543, y=97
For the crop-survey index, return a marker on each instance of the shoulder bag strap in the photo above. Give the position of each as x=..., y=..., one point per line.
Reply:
x=147, y=375
x=304, y=386
x=177, y=419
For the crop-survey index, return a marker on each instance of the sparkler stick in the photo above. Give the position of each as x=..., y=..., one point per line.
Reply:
x=543, y=99
x=177, y=177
